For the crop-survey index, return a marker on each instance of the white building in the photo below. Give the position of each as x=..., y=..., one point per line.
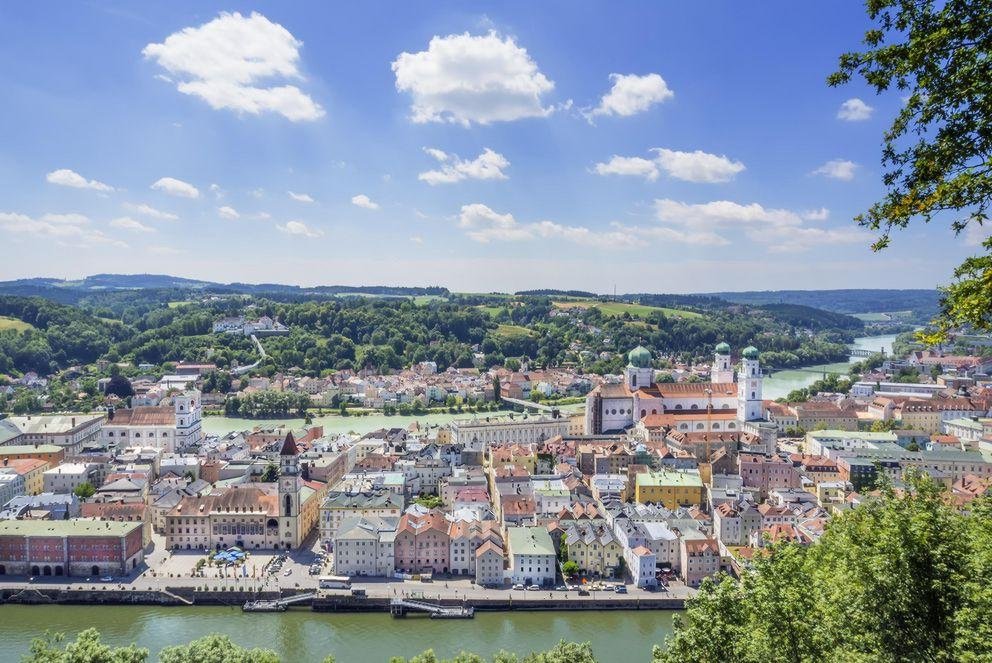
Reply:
x=66, y=477
x=532, y=556
x=365, y=546
x=477, y=434
x=170, y=429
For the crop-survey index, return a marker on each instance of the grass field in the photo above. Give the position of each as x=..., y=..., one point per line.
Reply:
x=421, y=300
x=619, y=308
x=14, y=323
x=511, y=331
x=490, y=310
x=178, y=304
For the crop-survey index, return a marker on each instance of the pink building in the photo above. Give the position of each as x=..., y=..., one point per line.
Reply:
x=767, y=473
x=422, y=543
x=700, y=559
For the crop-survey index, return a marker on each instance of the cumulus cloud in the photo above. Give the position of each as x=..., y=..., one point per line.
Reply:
x=631, y=94
x=487, y=166
x=778, y=229
x=854, y=110
x=361, y=200
x=635, y=166
x=174, y=187
x=837, y=169
x=70, y=178
x=300, y=197
x=484, y=225
x=127, y=223
x=232, y=63
x=697, y=166
x=469, y=79
x=299, y=228
x=228, y=212
x=150, y=212
x=67, y=229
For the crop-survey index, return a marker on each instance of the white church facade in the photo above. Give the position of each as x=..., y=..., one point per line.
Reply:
x=721, y=405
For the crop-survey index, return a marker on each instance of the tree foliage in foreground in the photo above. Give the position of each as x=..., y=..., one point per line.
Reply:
x=903, y=578
x=87, y=648
x=937, y=154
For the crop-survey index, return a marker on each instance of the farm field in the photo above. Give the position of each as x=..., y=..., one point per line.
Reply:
x=619, y=308
x=14, y=323
x=511, y=331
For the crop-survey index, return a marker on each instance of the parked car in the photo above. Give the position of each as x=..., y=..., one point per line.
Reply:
x=517, y=586
x=620, y=589
x=106, y=579
x=533, y=588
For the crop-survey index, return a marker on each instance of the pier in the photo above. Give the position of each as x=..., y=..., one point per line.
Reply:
x=277, y=605
x=399, y=608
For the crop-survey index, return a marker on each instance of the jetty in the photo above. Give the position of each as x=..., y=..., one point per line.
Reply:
x=277, y=605
x=399, y=607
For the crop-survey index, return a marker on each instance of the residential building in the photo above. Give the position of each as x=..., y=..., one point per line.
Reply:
x=422, y=543
x=69, y=547
x=532, y=556
x=700, y=559
x=339, y=506
x=365, y=546
x=670, y=488
x=70, y=432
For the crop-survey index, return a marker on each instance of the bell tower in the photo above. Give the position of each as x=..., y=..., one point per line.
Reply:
x=289, y=493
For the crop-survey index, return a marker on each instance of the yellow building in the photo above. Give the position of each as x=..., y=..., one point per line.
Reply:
x=670, y=488
x=593, y=548
x=33, y=470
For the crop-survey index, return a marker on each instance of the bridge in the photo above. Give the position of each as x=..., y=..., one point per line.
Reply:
x=399, y=607
x=277, y=605
x=864, y=352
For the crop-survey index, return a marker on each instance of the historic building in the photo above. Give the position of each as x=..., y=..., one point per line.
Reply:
x=719, y=405
x=249, y=516
x=169, y=428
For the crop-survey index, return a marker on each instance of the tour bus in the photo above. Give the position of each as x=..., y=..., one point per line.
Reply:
x=334, y=582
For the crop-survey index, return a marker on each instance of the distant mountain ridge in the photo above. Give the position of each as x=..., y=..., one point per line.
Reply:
x=869, y=300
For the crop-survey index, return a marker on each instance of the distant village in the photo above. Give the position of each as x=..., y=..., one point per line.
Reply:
x=652, y=486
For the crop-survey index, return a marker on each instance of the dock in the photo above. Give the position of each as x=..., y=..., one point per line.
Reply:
x=277, y=605
x=399, y=607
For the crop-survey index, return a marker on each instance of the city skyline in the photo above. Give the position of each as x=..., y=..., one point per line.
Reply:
x=659, y=149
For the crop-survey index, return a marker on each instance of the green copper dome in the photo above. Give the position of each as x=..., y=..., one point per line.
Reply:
x=723, y=349
x=750, y=352
x=639, y=357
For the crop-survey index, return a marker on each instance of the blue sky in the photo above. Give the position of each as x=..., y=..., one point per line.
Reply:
x=660, y=147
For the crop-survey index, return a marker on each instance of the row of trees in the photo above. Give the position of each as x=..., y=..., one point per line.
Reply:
x=89, y=648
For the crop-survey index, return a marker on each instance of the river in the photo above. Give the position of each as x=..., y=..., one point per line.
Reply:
x=780, y=383
x=301, y=636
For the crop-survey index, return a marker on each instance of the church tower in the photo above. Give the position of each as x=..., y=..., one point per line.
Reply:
x=639, y=372
x=722, y=371
x=289, y=493
x=749, y=405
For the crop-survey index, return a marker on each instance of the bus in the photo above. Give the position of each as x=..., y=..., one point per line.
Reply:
x=334, y=582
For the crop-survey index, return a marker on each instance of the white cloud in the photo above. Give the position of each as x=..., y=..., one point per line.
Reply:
x=816, y=214
x=70, y=178
x=299, y=228
x=227, y=212
x=838, y=169
x=487, y=166
x=217, y=191
x=854, y=110
x=417, y=239
x=778, y=229
x=697, y=166
x=174, y=187
x=230, y=63
x=484, y=225
x=361, y=200
x=300, y=197
x=976, y=233
x=151, y=212
x=635, y=166
x=631, y=94
x=127, y=223
x=472, y=79
x=67, y=229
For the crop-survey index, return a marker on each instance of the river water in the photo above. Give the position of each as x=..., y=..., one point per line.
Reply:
x=301, y=636
x=780, y=383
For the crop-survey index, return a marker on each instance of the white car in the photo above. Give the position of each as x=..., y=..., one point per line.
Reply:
x=287, y=572
x=106, y=579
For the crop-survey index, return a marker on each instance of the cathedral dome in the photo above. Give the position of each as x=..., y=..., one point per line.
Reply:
x=639, y=357
x=723, y=349
x=750, y=352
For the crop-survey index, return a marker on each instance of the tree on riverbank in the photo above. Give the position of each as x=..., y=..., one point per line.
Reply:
x=87, y=648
